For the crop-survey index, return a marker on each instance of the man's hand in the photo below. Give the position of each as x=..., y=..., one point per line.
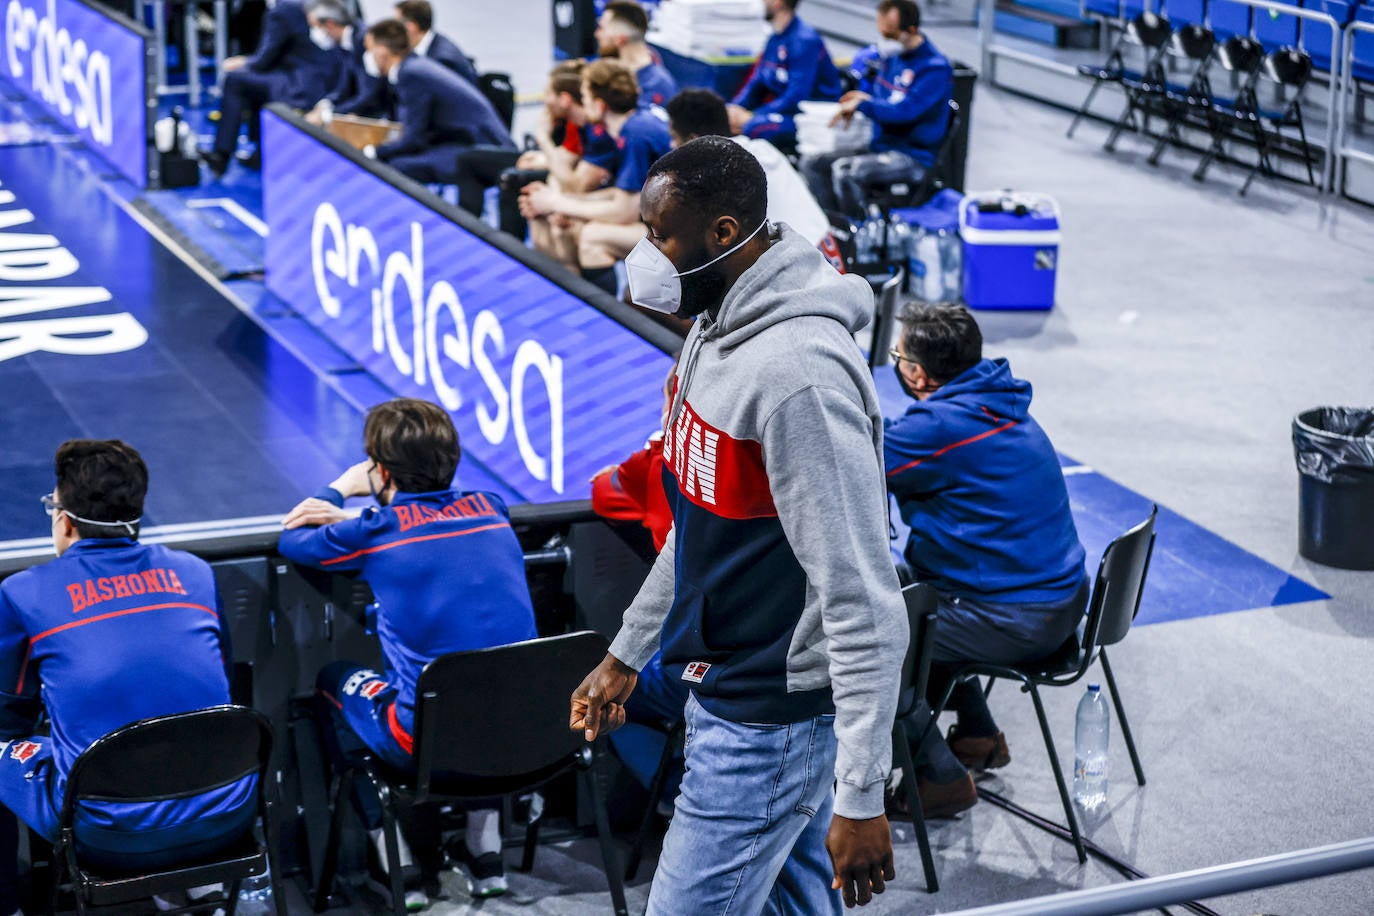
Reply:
x=354, y=481
x=598, y=704
x=849, y=103
x=739, y=116
x=315, y=512
x=861, y=855
x=538, y=199
x=233, y=63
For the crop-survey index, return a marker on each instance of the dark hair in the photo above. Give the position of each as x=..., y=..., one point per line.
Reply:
x=104, y=481
x=630, y=13
x=390, y=34
x=717, y=176
x=415, y=441
x=566, y=76
x=418, y=12
x=908, y=13
x=613, y=83
x=696, y=113
x=791, y=4
x=943, y=338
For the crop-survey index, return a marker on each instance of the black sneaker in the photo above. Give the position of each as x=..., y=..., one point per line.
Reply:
x=486, y=873
x=215, y=161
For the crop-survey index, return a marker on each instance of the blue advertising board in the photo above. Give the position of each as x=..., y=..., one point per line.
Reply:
x=88, y=67
x=545, y=387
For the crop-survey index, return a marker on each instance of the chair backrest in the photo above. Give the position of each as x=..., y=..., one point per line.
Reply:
x=1240, y=54
x=1229, y=18
x=502, y=712
x=1273, y=29
x=500, y=92
x=1289, y=67
x=1120, y=581
x=170, y=757
x=921, y=603
x=1150, y=30
x=1195, y=42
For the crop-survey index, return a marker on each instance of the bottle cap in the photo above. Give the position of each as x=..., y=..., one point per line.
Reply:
x=1094, y=688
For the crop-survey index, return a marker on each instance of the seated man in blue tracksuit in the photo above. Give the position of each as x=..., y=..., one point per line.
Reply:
x=980, y=485
x=448, y=575
x=441, y=113
x=908, y=104
x=795, y=67
x=292, y=65
x=418, y=18
x=110, y=632
x=358, y=91
x=620, y=36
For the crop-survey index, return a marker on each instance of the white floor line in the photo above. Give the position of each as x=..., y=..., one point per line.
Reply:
x=234, y=209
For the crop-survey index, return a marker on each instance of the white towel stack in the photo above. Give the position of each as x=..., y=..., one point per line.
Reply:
x=710, y=28
x=815, y=136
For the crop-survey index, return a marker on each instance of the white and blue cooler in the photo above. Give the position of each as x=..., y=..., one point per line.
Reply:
x=1011, y=250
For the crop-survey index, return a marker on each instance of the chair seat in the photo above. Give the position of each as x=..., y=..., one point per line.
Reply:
x=103, y=886
x=1099, y=72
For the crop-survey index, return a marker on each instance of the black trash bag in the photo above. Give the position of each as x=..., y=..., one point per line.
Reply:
x=1335, y=445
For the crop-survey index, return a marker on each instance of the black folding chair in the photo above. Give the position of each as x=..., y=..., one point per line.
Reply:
x=1112, y=608
x=1145, y=92
x=497, y=89
x=1288, y=69
x=489, y=723
x=160, y=759
x=1241, y=57
x=1146, y=32
x=921, y=603
x=1195, y=44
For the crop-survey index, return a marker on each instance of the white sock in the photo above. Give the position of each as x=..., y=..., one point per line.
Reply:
x=484, y=831
x=379, y=840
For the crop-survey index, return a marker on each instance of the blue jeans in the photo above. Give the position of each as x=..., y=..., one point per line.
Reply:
x=748, y=835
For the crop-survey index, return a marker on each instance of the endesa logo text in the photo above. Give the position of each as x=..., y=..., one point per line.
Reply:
x=67, y=74
x=444, y=344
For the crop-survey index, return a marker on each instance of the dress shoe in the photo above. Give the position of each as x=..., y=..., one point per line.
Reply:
x=979, y=754
x=938, y=799
x=251, y=160
x=215, y=161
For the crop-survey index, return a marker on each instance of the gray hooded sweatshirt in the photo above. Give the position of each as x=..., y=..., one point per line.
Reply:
x=775, y=597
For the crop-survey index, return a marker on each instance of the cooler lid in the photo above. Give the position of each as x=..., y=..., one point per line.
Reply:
x=1010, y=211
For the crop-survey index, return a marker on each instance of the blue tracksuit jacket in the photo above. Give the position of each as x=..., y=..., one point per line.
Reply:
x=447, y=571
x=111, y=632
x=795, y=67
x=979, y=483
x=910, y=104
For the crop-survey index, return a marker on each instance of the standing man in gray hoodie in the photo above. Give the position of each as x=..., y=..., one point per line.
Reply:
x=774, y=599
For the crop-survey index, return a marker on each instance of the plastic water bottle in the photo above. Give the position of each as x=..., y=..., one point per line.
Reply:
x=898, y=240
x=1090, y=750
x=255, y=896
x=951, y=266
x=927, y=281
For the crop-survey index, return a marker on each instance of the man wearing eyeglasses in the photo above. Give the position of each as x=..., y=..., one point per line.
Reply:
x=979, y=483
x=110, y=632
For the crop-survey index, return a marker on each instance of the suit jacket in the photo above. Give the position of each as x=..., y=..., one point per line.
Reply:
x=357, y=93
x=308, y=71
x=437, y=107
x=442, y=50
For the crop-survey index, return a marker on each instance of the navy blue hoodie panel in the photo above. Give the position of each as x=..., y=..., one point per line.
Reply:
x=739, y=598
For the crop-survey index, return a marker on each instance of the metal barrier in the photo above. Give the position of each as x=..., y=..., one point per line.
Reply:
x=990, y=50
x=1344, y=152
x=191, y=41
x=1200, y=884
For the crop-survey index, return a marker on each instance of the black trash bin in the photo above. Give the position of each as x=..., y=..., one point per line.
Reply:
x=1334, y=448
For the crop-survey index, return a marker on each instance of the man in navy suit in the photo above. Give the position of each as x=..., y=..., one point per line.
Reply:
x=418, y=18
x=291, y=65
x=441, y=114
x=357, y=92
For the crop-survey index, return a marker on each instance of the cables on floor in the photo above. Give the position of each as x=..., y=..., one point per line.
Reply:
x=1125, y=869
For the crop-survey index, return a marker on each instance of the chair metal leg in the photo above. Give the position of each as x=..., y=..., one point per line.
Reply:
x=1262, y=162
x=391, y=835
x=1083, y=109
x=603, y=835
x=1058, y=773
x=901, y=750
x=55, y=872
x=531, y=842
x=1127, y=117
x=269, y=838
x=331, y=847
x=1121, y=717
x=1307, y=151
x=646, y=822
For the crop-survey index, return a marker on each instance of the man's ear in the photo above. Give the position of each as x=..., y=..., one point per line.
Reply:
x=66, y=526
x=726, y=232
